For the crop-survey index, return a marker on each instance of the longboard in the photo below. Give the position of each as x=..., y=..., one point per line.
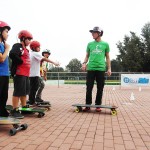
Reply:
x=44, y=106
x=15, y=122
x=43, y=103
x=33, y=110
x=79, y=107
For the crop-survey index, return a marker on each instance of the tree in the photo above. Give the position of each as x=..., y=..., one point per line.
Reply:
x=56, y=69
x=131, y=53
x=146, y=50
x=115, y=66
x=74, y=65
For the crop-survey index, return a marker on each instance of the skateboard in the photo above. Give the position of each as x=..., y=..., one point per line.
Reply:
x=45, y=104
x=79, y=107
x=30, y=110
x=15, y=122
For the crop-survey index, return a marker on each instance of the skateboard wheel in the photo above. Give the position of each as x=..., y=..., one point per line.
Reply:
x=12, y=131
x=114, y=112
x=77, y=110
x=40, y=115
x=24, y=126
x=16, y=126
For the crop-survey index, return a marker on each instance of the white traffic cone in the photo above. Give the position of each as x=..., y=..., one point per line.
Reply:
x=132, y=98
x=113, y=88
x=83, y=86
x=140, y=89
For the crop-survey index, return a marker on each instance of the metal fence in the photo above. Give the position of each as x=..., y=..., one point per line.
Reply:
x=80, y=77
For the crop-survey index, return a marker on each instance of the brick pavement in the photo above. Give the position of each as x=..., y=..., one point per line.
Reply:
x=63, y=129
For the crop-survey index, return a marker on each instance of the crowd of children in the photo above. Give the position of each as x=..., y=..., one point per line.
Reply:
x=25, y=70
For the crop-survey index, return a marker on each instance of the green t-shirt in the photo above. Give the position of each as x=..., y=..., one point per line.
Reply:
x=97, y=52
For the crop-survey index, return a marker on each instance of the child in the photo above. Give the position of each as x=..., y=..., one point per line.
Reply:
x=43, y=72
x=36, y=58
x=20, y=71
x=4, y=68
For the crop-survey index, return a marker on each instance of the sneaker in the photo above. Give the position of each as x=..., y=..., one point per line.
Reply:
x=26, y=106
x=98, y=109
x=30, y=103
x=86, y=109
x=39, y=100
x=16, y=114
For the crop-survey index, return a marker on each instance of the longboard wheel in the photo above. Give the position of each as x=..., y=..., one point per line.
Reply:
x=24, y=126
x=40, y=115
x=16, y=126
x=77, y=110
x=114, y=112
x=12, y=131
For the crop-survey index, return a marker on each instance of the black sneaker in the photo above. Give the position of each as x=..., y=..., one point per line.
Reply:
x=39, y=100
x=16, y=114
x=30, y=103
x=26, y=106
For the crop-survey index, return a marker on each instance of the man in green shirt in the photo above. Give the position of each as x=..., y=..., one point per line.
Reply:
x=95, y=65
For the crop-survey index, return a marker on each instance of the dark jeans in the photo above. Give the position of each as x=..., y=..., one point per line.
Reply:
x=99, y=76
x=4, y=81
x=34, y=85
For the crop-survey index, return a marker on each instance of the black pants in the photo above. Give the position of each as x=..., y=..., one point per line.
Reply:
x=34, y=85
x=99, y=76
x=4, y=81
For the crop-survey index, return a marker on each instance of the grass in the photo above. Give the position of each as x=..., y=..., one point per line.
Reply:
x=107, y=82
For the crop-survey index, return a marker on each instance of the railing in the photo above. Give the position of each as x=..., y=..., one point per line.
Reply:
x=80, y=77
x=58, y=78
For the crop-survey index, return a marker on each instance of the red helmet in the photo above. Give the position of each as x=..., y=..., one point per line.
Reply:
x=34, y=45
x=4, y=25
x=25, y=33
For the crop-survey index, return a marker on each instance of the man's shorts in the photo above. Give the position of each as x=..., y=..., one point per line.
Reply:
x=21, y=86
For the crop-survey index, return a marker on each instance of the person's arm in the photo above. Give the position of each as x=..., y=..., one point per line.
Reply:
x=50, y=61
x=108, y=64
x=85, y=62
x=4, y=55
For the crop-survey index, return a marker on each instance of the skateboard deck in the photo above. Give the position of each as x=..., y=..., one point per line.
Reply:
x=79, y=107
x=47, y=106
x=15, y=122
x=32, y=110
x=43, y=103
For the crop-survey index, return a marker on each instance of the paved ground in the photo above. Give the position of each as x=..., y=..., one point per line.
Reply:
x=63, y=129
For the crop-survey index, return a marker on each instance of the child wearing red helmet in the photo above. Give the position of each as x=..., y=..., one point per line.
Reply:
x=20, y=70
x=36, y=58
x=4, y=68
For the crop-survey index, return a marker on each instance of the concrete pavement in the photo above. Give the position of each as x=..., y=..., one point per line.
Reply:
x=64, y=129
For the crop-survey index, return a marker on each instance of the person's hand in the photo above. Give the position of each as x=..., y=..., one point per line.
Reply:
x=109, y=72
x=56, y=63
x=83, y=67
x=45, y=78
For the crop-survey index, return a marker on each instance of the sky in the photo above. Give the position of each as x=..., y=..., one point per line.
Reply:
x=63, y=25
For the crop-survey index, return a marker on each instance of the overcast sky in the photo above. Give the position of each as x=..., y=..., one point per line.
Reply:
x=63, y=25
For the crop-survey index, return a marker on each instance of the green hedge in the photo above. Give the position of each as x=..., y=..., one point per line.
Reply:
x=109, y=82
